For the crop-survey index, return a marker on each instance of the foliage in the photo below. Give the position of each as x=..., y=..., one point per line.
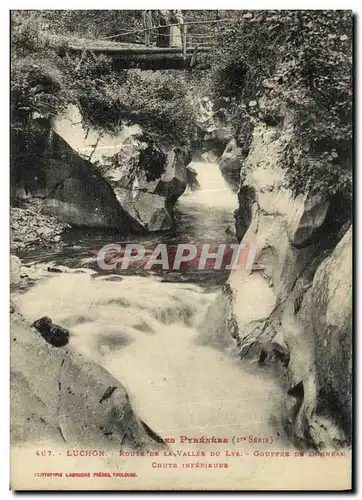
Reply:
x=273, y=65
x=36, y=87
x=158, y=101
x=27, y=36
x=89, y=23
x=44, y=81
x=103, y=23
x=37, y=94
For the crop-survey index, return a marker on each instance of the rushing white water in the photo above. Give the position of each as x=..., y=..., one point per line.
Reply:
x=205, y=214
x=214, y=191
x=145, y=332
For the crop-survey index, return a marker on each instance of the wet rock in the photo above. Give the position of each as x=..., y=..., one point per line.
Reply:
x=63, y=398
x=113, y=278
x=54, y=269
x=173, y=181
x=54, y=334
x=150, y=202
x=192, y=181
x=15, y=265
x=230, y=165
x=150, y=210
x=295, y=309
x=171, y=278
x=63, y=184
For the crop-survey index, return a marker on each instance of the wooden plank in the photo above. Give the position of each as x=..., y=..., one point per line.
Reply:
x=136, y=51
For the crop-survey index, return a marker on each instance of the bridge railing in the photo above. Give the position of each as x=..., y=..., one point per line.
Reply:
x=189, y=39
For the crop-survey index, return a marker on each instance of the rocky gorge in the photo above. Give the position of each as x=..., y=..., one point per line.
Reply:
x=134, y=359
x=287, y=312
x=81, y=179
x=284, y=315
x=91, y=179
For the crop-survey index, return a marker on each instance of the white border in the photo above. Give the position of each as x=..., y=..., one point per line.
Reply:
x=4, y=176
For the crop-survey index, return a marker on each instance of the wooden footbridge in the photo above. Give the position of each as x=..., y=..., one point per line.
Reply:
x=138, y=55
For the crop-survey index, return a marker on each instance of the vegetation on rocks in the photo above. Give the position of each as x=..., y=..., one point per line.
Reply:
x=273, y=65
x=45, y=79
x=270, y=66
x=80, y=23
x=150, y=99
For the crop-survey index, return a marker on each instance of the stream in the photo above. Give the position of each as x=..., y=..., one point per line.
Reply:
x=145, y=329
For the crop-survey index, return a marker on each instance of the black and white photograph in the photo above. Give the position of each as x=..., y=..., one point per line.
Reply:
x=181, y=204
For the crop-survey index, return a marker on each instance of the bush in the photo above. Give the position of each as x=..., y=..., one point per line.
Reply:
x=36, y=87
x=27, y=36
x=158, y=101
x=93, y=23
x=298, y=64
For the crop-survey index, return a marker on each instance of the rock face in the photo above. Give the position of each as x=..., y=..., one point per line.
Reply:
x=55, y=179
x=230, y=164
x=15, y=266
x=147, y=179
x=329, y=301
x=70, y=400
x=212, y=132
x=286, y=311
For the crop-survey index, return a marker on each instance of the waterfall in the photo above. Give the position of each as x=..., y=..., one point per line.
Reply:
x=145, y=333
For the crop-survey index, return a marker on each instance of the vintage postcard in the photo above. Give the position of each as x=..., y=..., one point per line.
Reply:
x=181, y=249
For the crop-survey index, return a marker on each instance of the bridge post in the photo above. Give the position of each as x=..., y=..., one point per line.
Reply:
x=184, y=43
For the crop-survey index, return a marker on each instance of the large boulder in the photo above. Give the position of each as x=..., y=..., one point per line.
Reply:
x=230, y=164
x=71, y=399
x=150, y=201
x=146, y=178
x=55, y=179
x=15, y=266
